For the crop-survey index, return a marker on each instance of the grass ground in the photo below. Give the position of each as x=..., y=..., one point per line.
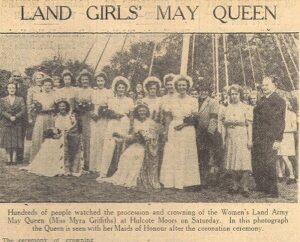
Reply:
x=21, y=187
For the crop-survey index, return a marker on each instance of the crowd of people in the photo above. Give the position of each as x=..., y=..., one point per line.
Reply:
x=158, y=134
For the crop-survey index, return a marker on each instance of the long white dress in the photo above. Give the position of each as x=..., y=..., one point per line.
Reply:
x=287, y=145
x=98, y=128
x=180, y=162
x=50, y=160
x=131, y=161
x=122, y=106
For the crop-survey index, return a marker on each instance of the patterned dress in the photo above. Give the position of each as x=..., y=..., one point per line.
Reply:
x=236, y=118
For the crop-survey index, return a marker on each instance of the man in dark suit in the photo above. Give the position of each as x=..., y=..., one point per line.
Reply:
x=268, y=128
x=206, y=129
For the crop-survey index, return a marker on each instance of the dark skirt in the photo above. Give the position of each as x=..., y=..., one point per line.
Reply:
x=11, y=137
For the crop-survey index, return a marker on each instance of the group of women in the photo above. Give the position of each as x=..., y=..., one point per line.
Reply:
x=141, y=138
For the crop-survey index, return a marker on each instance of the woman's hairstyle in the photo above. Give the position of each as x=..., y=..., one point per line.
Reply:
x=120, y=80
x=38, y=73
x=70, y=74
x=185, y=78
x=149, y=81
x=47, y=79
x=12, y=82
x=237, y=88
x=169, y=77
x=57, y=102
x=138, y=106
x=84, y=72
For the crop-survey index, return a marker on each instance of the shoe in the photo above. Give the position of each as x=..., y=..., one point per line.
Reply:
x=77, y=174
x=8, y=163
x=291, y=181
x=245, y=193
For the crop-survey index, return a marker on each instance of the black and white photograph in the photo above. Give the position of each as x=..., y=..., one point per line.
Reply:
x=149, y=117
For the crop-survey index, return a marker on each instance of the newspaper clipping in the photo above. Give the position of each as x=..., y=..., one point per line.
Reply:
x=149, y=120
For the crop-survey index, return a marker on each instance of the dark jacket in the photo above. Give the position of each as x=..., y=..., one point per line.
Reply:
x=7, y=110
x=268, y=120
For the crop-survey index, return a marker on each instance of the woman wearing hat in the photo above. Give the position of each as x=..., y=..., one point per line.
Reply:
x=180, y=161
x=83, y=106
x=100, y=97
x=12, y=112
x=151, y=86
x=61, y=152
x=138, y=163
x=120, y=108
x=43, y=108
x=68, y=91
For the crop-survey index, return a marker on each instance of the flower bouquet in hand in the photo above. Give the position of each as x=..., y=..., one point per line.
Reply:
x=190, y=119
x=36, y=107
x=105, y=112
x=52, y=133
x=84, y=105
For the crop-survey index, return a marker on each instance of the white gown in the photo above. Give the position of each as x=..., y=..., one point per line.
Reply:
x=123, y=106
x=49, y=161
x=180, y=162
x=98, y=128
x=131, y=161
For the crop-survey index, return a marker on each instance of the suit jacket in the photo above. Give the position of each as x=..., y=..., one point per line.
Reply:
x=269, y=120
x=207, y=117
x=7, y=110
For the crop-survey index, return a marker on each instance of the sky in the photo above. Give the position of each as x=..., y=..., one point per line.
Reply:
x=18, y=51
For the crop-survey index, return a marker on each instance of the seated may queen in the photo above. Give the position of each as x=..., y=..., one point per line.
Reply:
x=138, y=165
x=61, y=151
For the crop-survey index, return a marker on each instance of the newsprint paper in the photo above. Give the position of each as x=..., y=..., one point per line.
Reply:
x=149, y=120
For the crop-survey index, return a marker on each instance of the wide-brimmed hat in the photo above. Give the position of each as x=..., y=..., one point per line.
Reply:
x=149, y=80
x=37, y=73
x=119, y=79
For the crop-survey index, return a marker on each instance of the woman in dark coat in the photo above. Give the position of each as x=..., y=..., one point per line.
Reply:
x=12, y=109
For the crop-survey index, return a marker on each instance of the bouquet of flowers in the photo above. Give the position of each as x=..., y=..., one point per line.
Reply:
x=190, y=119
x=146, y=136
x=84, y=105
x=52, y=133
x=36, y=107
x=105, y=112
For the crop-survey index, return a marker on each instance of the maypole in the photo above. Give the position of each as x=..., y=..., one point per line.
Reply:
x=284, y=62
x=185, y=54
x=125, y=39
x=250, y=58
x=102, y=53
x=152, y=58
x=225, y=58
x=289, y=53
x=89, y=51
x=214, y=61
x=193, y=52
x=241, y=57
x=217, y=62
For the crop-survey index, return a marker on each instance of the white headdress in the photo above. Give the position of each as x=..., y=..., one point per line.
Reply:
x=184, y=77
x=151, y=79
x=168, y=77
x=37, y=73
x=118, y=79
